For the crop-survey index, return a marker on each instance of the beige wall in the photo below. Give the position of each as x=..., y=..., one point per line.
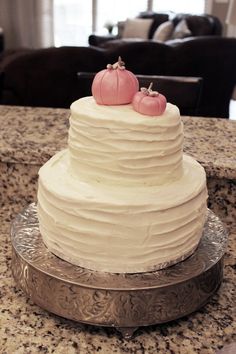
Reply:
x=219, y=8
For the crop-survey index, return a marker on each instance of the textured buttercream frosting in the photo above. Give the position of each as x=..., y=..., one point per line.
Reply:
x=122, y=197
x=117, y=145
x=117, y=228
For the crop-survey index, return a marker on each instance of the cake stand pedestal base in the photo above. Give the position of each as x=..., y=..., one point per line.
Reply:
x=123, y=301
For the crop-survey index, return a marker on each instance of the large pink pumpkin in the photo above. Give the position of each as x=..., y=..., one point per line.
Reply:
x=149, y=102
x=114, y=85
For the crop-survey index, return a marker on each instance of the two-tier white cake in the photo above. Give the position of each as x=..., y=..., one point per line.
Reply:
x=122, y=197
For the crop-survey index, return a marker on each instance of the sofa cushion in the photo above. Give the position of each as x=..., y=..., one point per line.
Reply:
x=181, y=30
x=137, y=28
x=158, y=19
x=164, y=31
x=199, y=25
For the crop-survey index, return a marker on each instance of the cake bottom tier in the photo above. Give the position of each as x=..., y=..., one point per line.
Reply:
x=120, y=229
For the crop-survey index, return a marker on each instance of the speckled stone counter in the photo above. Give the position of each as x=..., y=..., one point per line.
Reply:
x=28, y=137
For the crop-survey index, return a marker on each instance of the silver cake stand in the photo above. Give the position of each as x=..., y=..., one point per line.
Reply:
x=124, y=301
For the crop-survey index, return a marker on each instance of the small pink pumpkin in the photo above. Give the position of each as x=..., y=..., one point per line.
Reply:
x=114, y=85
x=149, y=102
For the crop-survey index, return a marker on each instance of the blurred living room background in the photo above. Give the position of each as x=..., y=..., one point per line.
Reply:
x=38, y=24
x=43, y=23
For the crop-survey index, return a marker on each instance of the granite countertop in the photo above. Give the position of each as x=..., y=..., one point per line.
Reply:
x=30, y=136
x=35, y=134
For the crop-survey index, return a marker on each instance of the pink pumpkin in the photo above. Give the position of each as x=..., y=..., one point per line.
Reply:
x=114, y=85
x=149, y=102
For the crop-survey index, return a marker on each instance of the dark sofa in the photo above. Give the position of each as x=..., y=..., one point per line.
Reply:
x=48, y=77
x=199, y=25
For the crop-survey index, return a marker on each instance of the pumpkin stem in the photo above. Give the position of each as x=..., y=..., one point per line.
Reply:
x=120, y=62
x=148, y=91
x=144, y=90
x=152, y=93
x=118, y=65
x=150, y=86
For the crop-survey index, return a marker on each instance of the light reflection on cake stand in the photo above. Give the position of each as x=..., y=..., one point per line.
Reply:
x=123, y=301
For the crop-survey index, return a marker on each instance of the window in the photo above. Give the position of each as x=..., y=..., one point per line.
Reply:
x=180, y=6
x=117, y=10
x=72, y=22
x=73, y=18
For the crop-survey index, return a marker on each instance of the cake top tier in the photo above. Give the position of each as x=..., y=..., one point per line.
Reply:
x=117, y=145
x=86, y=107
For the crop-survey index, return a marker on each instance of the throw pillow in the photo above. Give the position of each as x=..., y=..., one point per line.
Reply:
x=164, y=31
x=137, y=28
x=181, y=30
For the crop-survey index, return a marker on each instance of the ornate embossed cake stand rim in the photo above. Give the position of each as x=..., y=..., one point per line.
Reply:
x=124, y=301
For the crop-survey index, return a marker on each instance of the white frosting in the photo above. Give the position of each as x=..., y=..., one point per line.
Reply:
x=120, y=228
x=117, y=145
x=122, y=197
